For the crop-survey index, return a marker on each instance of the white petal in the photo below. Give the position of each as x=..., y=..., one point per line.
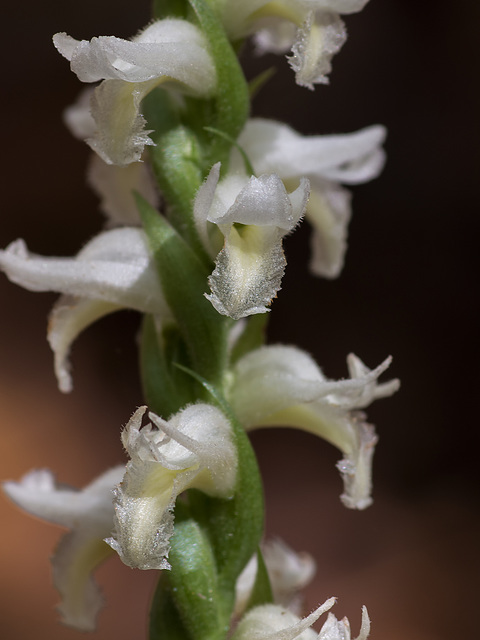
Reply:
x=288, y=570
x=272, y=622
x=68, y=318
x=350, y=158
x=329, y=212
x=248, y=271
x=334, y=629
x=193, y=449
x=173, y=48
x=202, y=207
x=89, y=514
x=78, y=117
x=320, y=38
x=115, y=186
x=74, y=560
x=115, y=266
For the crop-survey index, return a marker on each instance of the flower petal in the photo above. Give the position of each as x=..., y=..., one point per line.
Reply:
x=272, y=622
x=68, y=318
x=329, y=212
x=115, y=186
x=275, y=147
x=321, y=36
x=115, y=266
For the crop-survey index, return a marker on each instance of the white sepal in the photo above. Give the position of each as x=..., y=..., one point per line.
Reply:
x=193, y=449
x=114, y=270
x=89, y=516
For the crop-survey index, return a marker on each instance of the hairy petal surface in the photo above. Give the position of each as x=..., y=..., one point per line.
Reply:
x=193, y=449
x=253, y=214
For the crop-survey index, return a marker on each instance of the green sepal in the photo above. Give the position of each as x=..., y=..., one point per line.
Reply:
x=262, y=589
x=165, y=622
x=194, y=582
x=252, y=337
x=166, y=389
x=229, y=109
x=177, y=163
x=184, y=281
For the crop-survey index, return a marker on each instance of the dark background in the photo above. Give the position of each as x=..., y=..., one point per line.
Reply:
x=409, y=289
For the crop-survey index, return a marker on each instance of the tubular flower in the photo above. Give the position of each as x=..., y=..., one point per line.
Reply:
x=283, y=386
x=89, y=516
x=271, y=622
x=326, y=161
x=312, y=29
x=167, y=50
x=113, y=271
x=253, y=215
x=194, y=449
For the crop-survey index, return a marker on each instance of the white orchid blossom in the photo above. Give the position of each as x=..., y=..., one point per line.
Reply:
x=289, y=572
x=312, y=29
x=272, y=622
x=253, y=215
x=89, y=516
x=167, y=50
x=113, y=271
x=194, y=449
x=327, y=160
x=283, y=386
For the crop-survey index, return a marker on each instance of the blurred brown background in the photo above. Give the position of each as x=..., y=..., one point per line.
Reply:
x=409, y=288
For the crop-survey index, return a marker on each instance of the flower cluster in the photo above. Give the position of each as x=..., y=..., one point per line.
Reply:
x=169, y=127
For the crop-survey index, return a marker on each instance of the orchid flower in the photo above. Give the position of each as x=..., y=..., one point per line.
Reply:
x=283, y=386
x=289, y=572
x=326, y=161
x=312, y=29
x=89, y=516
x=272, y=622
x=113, y=271
x=167, y=50
x=193, y=449
x=253, y=215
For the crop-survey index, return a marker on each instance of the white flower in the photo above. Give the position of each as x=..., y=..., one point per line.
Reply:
x=312, y=29
x=326, y=161
x=167, y=50
x=89, y=516
x=289, y=572
x=271, y=622
x=253, y=214
x=113, y=271
x=193, y=449
x=283, y=386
